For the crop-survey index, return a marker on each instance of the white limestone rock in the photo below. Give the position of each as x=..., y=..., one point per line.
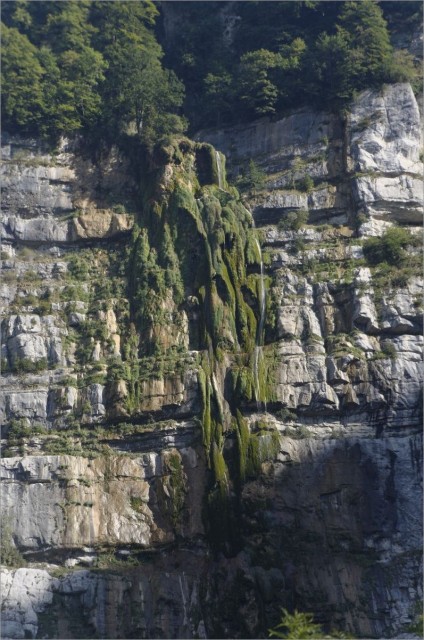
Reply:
x=32, y=338
x=385, y=131
x=304, y=134
x=25, y=593
x=95, y=393
x=69, y=501
x=31, y=404
x=385, y=142
x=76, y=319
x=396, y=199
x=364, y=312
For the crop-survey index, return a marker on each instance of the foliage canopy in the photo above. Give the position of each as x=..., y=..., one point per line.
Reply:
x=121, y=66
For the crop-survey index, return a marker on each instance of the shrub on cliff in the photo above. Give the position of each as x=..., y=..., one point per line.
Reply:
x=300, y=625
x=390, y=247
x=294, y=220
x=252, y=179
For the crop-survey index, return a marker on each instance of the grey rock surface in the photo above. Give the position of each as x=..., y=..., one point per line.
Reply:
x=119, y=517
x=335, y=492
x=66, y=502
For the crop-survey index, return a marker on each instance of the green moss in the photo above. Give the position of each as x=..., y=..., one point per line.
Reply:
x=262, y=447
x=195, y=239
x=210, y=165
x=176, y=486
x=243, y=438
x=219, y=468
x=137, y=504
x=242, y=385
x=206, y=410
x=341, y=344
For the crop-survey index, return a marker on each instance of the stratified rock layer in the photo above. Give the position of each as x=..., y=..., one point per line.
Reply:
x=104, y=490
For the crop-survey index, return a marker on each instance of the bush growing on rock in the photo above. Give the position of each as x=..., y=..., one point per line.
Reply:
x=304, y=184
x=300, y=625
x=294, y=220
x=390, y=247
x=25, y=365
x=9, y=554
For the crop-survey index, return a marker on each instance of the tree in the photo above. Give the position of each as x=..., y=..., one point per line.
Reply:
x=289, y=75
x=21, y=79
x=219, y=96
x=16, y=14
x=252, y=179
x=52, y=88
x=68, y=33
x=402, y=69
x=137, y=88
x=67, y=26
x=358, y=55
x=331, y=78
x=371, y=53
x=257, y=91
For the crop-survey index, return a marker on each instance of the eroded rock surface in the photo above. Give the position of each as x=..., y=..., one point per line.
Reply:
x=108, y=482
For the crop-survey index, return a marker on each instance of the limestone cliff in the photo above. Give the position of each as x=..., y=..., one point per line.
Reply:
x=212, y=409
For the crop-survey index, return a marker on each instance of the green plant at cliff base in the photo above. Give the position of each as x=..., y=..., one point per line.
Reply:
x=300, y=625
x=9, y=554
x=417, y=626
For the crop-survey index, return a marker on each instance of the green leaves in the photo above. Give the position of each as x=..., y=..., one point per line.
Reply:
x=257, y=90
x=138, y=91
x=296, y=625
x=390, y=247
x=85, y=63
x=252, y=179
x=21, y=79
x=299, y=625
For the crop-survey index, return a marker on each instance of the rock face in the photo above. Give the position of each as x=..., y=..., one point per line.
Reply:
x=68, y=501
x=377, y=152
x=46, y=199
x=131, y=519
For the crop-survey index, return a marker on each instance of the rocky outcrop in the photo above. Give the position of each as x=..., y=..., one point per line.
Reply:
x=353, y=497
x=304, y=134
x=348, y=523
x=46, y=201
x=377, y=155
x=240, y=447
x=105, y=604
x=67, y=502
x=64, y=302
